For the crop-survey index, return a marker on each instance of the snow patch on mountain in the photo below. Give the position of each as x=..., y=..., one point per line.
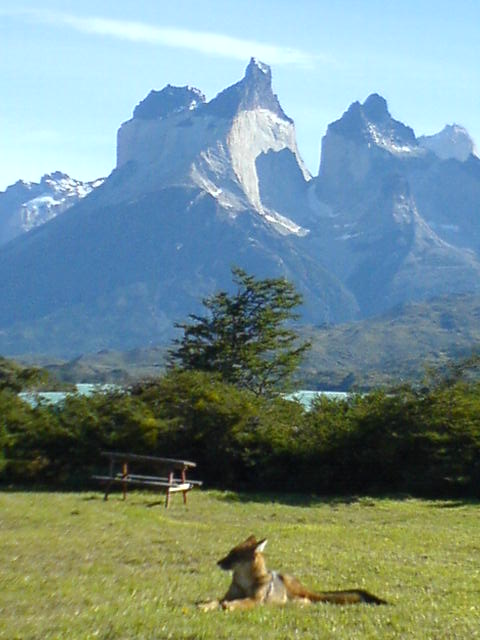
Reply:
x=58, y=193
x=453, y=142
x=27, y=205
x=264, y=68
x=389, y=142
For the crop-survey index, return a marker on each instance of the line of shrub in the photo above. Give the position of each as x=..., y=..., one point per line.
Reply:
x=401, y=441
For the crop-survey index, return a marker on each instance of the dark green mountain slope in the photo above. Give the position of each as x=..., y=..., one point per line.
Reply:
x=395, y=347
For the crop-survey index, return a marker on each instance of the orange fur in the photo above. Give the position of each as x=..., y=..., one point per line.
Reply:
x=252, y=584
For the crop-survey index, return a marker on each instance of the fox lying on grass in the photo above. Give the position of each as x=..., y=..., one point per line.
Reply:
x=253, y=584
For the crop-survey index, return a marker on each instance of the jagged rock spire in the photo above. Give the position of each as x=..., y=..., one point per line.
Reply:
x=372, y=123
x=252, y=92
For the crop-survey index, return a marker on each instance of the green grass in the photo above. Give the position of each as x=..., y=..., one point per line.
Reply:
x=74, y=567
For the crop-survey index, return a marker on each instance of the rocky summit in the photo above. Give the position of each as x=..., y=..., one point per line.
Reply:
x=200, y=186
x=398, y=220
x=213, y=146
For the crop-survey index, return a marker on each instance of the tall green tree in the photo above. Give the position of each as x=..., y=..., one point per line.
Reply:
x=16, y=377
x=245, y=337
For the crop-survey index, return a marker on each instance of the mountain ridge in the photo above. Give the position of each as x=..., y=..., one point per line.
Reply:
x=27, y=205
x=398, y=347
x=200, y=186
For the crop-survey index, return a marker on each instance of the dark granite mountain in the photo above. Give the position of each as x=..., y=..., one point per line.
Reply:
x=163, y=231
x=201, y=186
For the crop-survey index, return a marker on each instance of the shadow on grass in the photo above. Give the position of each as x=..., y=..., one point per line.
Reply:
x=455, y=504
x=311, y=500
x=88, y=494
x=292, y=499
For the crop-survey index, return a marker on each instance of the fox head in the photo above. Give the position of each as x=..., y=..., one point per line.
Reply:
x=244, y=553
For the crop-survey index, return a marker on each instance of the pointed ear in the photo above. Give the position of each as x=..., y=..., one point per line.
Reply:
x=261, y=546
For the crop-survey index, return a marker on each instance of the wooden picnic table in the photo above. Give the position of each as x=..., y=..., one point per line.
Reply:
x=168, y=482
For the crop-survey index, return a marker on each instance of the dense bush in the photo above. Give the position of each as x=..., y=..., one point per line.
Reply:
x=235, y=436
x=402, y=441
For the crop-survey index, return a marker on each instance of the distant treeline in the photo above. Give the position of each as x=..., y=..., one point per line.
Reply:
x=405, y=440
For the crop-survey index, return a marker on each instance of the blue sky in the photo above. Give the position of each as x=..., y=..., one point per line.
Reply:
x=71, y=72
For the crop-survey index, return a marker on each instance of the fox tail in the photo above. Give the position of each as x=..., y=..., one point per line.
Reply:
x=351, y=596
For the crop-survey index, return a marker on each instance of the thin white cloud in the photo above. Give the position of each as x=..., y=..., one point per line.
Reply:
x=200, y=41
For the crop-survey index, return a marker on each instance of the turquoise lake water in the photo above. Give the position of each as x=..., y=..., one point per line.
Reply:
x=55, y=397
x=304, y=396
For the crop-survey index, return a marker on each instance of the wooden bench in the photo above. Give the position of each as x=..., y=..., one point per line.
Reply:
x=168, y=482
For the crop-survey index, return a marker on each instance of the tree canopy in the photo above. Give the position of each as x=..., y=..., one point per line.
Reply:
x=244, y=337
x=16, y=377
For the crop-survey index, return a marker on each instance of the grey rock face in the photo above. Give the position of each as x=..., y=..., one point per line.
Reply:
x=192, y=195
x=213, y=146
x=202, y=186
x=254, y=91
x=394, y=231
x=371, y=123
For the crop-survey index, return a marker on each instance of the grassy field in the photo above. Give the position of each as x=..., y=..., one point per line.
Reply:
x=74, y=567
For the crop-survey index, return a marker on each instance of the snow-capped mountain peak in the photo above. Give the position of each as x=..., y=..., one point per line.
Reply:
x=26, y=205
x=453, y=142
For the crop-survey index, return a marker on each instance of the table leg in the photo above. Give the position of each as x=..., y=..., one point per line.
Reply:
x=184, y=480
x=167, y=497
x=124, y=475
